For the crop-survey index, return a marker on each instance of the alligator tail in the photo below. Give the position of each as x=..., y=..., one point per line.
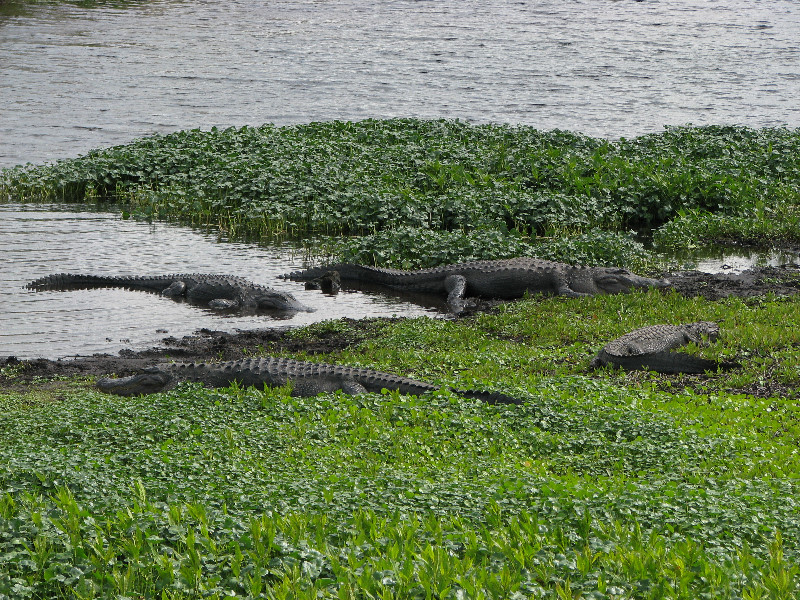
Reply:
x=489, y=397
x=70, y=281
x=347, y=271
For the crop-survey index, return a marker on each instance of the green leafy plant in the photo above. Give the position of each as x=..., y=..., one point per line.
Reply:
x=512, y=184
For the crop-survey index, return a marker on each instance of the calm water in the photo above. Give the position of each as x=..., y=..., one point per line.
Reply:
x=39, y=240
x=75, y=78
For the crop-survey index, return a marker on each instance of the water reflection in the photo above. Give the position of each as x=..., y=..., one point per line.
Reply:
x=720, y=260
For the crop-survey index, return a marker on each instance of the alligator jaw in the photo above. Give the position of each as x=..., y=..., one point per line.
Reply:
x=149, y=382
x=614, y=281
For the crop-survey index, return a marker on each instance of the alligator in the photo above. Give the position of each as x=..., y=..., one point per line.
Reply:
x=649, y=348
x=214, y=291
x=306, y=378
x=509, y=278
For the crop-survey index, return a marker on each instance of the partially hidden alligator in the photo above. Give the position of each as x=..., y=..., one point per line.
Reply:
x=307, y=379
x=649, y=348
x=214, y=291
x=509, y=278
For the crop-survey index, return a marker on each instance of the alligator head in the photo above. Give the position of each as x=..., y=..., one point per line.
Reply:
x=274, y=299
x=151, y=381
x=614, y=280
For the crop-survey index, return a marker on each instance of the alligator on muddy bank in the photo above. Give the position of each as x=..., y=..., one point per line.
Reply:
x=214, y=291
x=649, y=349
x=307, y=379
x=506, y=279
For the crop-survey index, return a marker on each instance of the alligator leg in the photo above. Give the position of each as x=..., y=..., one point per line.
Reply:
x=223, y=303
x=329, y=283
x=563, y=288
x=456, y=287
x=352, y=387
x=311, y=386
x=176, y=288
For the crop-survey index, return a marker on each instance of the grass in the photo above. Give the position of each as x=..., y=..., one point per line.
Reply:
x=603, y=485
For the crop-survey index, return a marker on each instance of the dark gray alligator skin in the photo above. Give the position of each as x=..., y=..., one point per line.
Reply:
x=649, y=348
x=509, y=278
x=215, y=291
x=307, y=379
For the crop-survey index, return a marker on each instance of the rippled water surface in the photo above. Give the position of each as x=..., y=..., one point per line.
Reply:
x=73, y=78
x=37, y=241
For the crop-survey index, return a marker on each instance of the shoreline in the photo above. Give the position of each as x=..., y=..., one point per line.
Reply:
x=207, y=345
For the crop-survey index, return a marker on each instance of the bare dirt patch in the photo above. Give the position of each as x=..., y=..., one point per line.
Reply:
x=204, y=345
x=779, y=281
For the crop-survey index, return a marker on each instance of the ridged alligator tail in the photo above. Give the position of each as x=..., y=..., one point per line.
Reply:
x=215, y=291
x=307, y=379
x=509, y=278
x=649, y=348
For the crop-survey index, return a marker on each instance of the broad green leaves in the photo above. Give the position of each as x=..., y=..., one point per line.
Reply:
x=375, y=177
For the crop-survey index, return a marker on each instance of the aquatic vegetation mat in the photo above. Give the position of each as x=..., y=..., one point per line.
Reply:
x=502, y=186
x=602, y=485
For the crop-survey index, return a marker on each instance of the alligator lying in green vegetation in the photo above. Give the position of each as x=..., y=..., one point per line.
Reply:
x=214, y=291
x=509, y=278
x=649, y=348
x=307, y=379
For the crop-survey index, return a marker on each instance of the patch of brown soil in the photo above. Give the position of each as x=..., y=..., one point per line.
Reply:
x=780, y=281
x=704, y=384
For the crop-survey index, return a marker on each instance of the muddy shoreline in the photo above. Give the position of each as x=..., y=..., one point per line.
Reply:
x=208, y=345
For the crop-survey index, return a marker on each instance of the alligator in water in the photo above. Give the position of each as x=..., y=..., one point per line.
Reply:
x=510, y=278
x=649, y=348
x=307, y=379
x=215, y=291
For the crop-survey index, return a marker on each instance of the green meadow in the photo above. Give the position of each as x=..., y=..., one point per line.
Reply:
x=601, y=485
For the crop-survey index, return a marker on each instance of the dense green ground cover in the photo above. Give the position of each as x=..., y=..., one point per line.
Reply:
x=600, y=486
x=458, y=190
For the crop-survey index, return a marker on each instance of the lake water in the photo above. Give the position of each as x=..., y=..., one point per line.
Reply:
x=73, y=78
x=37, y=240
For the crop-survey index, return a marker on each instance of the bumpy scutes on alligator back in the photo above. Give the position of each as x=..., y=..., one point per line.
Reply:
x=506, y=279
x=307, y=379
x=215, y=291
x=649, y=348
